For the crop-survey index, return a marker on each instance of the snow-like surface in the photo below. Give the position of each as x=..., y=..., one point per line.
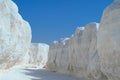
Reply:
x=55, y=42
x=64, y=40
x=80, y=28
x=97, y=26
x=13, y=74
x=43, y=74
x=32, y=74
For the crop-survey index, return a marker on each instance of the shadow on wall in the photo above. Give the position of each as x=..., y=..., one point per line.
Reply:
x=42, y=74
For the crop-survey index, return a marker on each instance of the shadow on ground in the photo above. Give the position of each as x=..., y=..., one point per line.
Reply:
x=42, y=74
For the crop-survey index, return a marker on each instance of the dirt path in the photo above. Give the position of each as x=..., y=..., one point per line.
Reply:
x=33, y=74
x=46, y=75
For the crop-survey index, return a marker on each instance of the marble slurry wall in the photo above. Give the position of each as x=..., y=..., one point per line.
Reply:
x=16, y=48
x=90, y=53
x=15, y=35
x=77, y=55
x=109, y=41
x=38, y=55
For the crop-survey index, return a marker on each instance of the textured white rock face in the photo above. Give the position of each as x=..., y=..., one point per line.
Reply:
x=58, y=57
x=51, y=64
x=84, y=51
x=87, y=47
x=74, y=51
x=109, y=41
x=15, y=35
x=62, y=57
x=38, y=55
x=76, y=55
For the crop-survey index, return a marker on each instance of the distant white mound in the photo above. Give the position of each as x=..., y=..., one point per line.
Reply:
x=38, y=55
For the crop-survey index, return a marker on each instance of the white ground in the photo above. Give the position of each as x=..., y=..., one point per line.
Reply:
x=32, y=74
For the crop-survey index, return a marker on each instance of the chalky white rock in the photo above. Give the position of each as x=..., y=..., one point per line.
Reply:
x=15, y=35
x=109, y=41
x=73, y=55
x=38, y=55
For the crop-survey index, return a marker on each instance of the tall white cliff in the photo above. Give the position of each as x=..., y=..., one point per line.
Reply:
x=109, y=41
x=74, y=55
x=15, y=35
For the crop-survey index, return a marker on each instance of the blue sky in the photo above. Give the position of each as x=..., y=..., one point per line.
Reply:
x=54, y=19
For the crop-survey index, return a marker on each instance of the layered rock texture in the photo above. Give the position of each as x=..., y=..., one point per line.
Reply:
x=109, y=41
x=91, y=53
x=15, y=35
x=38, y=55
x=15, y=40
x=76, y=55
